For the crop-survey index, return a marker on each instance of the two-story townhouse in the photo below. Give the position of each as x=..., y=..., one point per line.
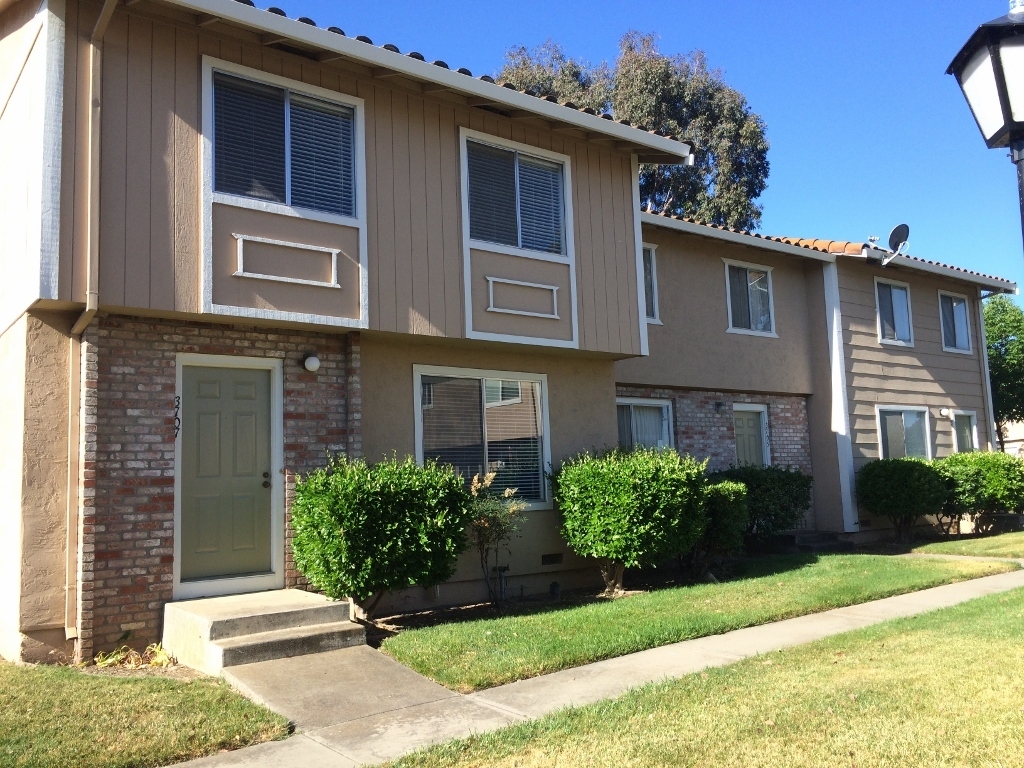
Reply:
x=817, y=354
x=236, y=242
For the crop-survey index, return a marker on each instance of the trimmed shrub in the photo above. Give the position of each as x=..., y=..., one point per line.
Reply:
x=630, y=510
x=364, y=530
x=777, y=497
x=902, y=490
x=981, y=483
x=726, y=518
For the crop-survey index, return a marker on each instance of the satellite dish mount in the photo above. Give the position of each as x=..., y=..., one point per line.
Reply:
x=898, y=239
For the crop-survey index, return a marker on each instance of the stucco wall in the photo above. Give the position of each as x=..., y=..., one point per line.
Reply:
x=12, y=416
x=581, y=403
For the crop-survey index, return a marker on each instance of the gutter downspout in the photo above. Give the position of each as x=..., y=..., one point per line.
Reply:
x=94, y=90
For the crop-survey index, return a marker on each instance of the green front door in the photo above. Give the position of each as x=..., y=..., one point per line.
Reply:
x=226, y=480
x=749, y=438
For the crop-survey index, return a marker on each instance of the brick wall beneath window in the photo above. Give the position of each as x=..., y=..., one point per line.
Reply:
x=127, y=523
x=707, y=433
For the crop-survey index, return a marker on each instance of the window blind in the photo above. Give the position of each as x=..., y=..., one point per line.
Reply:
x=492, y=194
x=453, y=425
x=894, y=312
x=322, y=156
x=249, y=138
x=514, y=443
x=540, y=205
x=738, y=298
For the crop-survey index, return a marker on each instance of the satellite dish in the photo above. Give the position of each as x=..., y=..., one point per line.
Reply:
x=897, y=242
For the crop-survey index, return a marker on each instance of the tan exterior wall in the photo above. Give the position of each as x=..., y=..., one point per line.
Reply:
x=581, y=404
x=12, y=430
x=151, y=187
x=922, y=375
x=693, y=347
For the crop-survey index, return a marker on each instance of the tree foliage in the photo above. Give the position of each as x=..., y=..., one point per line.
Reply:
x=1004, y=328
x=678, y=95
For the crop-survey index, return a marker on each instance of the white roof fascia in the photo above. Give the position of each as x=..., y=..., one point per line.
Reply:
x=263, y=21
x=702, y=230
x=992, y=283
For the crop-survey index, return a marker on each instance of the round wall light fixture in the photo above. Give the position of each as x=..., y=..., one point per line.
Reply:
x=944, y=412
x=311, y=363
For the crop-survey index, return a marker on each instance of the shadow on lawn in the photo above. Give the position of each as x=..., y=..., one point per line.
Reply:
x=637, y=581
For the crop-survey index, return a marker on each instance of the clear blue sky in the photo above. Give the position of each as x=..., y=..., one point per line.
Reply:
x=867, y=130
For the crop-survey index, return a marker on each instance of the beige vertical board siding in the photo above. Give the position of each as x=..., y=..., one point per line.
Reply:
x=693, y=347
x=22, y=83
x=139, y=147
x=413, y=180
x=69, y=160
x=922, y=375
x=114, y=173
x=12, y=431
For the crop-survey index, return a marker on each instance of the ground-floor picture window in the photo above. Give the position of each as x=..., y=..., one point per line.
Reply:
x=644, y=423
x=903, y=432
x=485, y=424
x=965, y=430
x=751, y=424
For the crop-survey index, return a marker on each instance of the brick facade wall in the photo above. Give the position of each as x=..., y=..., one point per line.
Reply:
x=127, y=522
x=707, y=433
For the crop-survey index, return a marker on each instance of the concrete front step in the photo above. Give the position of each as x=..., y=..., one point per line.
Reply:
x=211, y=633
x=822, y=542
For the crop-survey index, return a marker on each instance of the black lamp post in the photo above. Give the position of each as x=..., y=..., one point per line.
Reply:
x=990, y=70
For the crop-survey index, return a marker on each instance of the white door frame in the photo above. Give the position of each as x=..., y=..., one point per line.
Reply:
x=239, y=584
x=766, y=443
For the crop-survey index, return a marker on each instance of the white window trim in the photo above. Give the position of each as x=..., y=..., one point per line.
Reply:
x=210, y=65
x=239, y=584
x=656, y=403
x=766, y=442
x=773, y=333
x=419, y=371
x=878, y=314
x=895, y=407
x=468, y=244
x=942, y=333
x=656, y=320
x=974, y=429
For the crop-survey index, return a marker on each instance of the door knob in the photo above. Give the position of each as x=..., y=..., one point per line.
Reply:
x=266, y=483
x=266, y=474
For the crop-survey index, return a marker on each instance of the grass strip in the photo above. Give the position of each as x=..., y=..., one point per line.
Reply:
x=938, y=690
x=59, y=717
x=1002, y=545
x=481, y=654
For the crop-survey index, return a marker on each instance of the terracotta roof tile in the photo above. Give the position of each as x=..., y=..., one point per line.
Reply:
x=835, y=247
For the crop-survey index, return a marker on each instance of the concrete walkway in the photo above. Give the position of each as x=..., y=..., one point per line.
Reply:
x=358, y=707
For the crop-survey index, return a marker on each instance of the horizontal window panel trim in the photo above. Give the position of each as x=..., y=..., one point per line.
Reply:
x=654, y=321
x=293, y=280
x=747, y=332
x=254, y=204
x=516, y=146
x=510, y=250
x=896, y=343
x=553, y=315
x=534, y=340
x=297, y=317
x=523, y=313
x=957, y=351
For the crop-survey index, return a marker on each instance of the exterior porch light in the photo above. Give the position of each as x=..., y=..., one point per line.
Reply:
x=311, y=363
x=990, y=71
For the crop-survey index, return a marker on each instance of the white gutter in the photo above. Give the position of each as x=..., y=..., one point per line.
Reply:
x=335, y=46
x=993, y=283
x=703, y=230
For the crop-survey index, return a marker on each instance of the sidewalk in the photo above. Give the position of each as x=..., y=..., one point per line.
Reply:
x=358, y=707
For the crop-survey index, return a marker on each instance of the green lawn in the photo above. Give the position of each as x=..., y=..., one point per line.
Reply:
x=482, y=654
x=1003, y=545
x=59, y=717
x=940, y=690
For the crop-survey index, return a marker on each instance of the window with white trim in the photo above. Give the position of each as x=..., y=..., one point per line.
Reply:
x=481, y=425
x=644, y=423
x=894, y=319
x=750, y=298
x=281, y=146
x=965, y=432
x=515, y=199
x=956, y=325
x=903, y=432
x=650, y=282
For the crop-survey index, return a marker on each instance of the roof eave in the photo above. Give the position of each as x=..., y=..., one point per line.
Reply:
x=738, y=238
x=648, y=147
x=994, y=284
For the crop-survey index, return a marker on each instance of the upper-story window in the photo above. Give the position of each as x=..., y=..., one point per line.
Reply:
x=749, y=294
x=895, y=325
x=280, y=146
x=956, y=326
x=651, y=283
x=515, y=199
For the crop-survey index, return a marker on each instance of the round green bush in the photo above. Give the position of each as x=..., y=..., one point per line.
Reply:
x=777, y=497
x=632, y=509
x=364, y=530
x=902, y=490
x=983, y=482
x=725, y=513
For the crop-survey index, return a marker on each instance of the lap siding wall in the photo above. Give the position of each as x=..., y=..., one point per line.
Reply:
x=127, y=522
